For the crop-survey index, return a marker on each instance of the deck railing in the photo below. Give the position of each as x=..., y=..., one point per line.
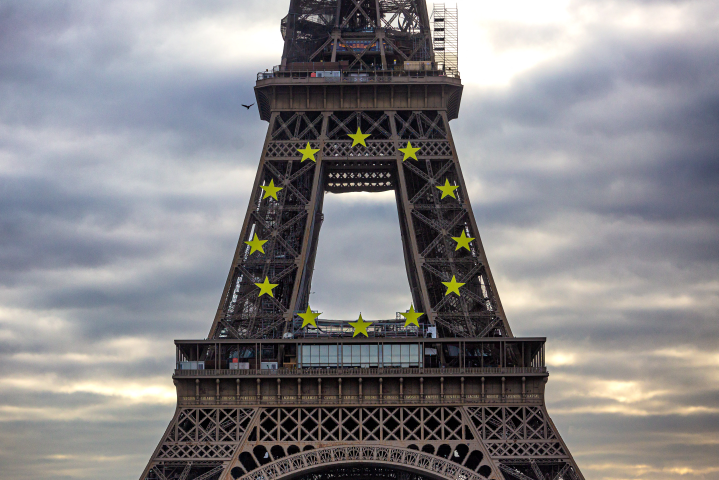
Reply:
x=285, y=400
x=354, y=76
x=362, y=372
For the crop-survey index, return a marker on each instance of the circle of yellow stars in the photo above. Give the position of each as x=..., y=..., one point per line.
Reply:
x=309, y=318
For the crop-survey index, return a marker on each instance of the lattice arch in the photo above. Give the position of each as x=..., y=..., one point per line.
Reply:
x=394, y=457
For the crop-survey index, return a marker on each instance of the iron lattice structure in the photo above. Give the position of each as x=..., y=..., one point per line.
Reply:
x=367, y=33
x=456, y=398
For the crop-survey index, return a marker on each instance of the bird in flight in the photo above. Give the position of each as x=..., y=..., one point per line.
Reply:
x=247, y=106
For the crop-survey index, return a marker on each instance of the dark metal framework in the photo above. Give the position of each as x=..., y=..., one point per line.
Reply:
x=264, y=399
x=292, y=222
x=367, y=34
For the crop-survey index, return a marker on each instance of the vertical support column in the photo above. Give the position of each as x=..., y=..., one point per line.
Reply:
x=413, y=261
x=336, y=34
x=482, y=257
x=380, y=34
x=240, y=249
x=303, y=278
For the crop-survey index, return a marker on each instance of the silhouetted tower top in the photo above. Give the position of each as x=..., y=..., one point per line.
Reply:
x=356, y=34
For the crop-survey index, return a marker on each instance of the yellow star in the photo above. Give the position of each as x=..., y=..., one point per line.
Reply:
x=453, y=286
x=256, y=245
x=270, y=190
x=409, y=151
x=462, y=241
x=412, y=317
x=360, y=326
x=308, y=318
x=358, y=137
x=266, y=287
x=308, y=153
x=448, y=189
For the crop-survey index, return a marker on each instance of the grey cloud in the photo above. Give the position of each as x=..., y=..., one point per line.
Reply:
x=78, y=448
x=111, y=225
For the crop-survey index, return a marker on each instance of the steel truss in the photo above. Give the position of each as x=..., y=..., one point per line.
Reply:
x=449, y=442
x=469, y=409
x=292, y=223
x=367, y=34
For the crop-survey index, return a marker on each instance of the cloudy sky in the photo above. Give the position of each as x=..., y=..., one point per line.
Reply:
x=589, y=138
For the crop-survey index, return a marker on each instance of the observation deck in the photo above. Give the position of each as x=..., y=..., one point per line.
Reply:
x=322, y=88
x=323, y=73
x=342, y=371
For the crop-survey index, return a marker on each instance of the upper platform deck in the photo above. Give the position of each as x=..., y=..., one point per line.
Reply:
x=332, y=90
x=321, y=75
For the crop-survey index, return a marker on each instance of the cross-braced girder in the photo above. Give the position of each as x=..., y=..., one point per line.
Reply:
x=366, y=34
x=438, y=442
x=430, y=221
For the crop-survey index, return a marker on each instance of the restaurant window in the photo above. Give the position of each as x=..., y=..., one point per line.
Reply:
x=363, y=356
x=319, y=356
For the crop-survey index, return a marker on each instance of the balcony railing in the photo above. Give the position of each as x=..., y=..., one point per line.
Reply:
x=288, y=400
x=362, y=372
x=354, y=76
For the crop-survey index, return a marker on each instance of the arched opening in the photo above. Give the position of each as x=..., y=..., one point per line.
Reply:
x=366, y=463
x=362, y=472
x=475, y=458
x=262, y=455
x=277, y=452
x=428, y=449
x=460, y=453
x=485, y=470
x=444, y=451
x=247, y=461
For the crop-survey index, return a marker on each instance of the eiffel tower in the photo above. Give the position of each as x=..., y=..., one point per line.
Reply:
x=360, y=103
